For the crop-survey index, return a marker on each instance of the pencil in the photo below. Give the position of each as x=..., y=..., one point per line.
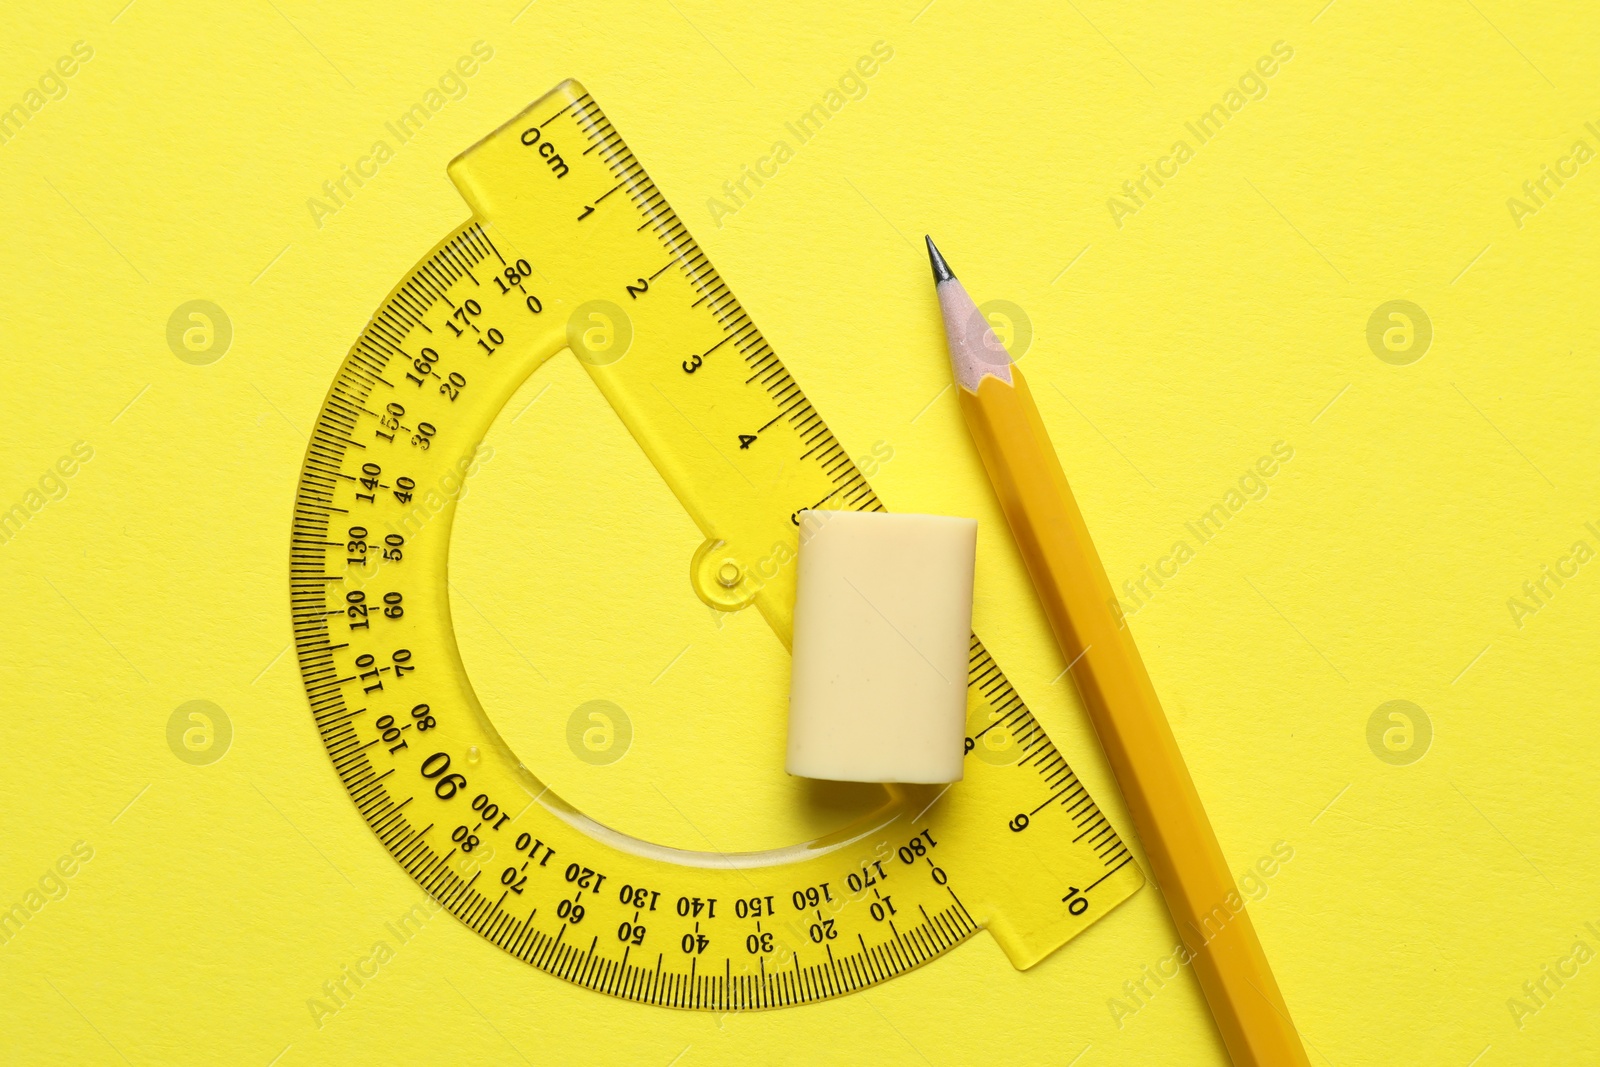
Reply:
x=1188, y=863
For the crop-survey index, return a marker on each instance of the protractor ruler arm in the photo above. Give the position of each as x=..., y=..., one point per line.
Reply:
x=573, y=246
x=667, y=343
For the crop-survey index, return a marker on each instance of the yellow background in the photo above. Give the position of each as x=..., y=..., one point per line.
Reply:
x=1229, y=313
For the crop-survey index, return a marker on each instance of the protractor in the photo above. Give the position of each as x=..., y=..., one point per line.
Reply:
x=571, y=246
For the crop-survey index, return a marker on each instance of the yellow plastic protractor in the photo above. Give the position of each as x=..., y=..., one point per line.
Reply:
x=573, y=246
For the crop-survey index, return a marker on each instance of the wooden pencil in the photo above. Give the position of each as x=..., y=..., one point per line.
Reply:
x=1187, y=861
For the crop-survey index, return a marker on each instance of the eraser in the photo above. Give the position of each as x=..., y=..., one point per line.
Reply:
x=882, y=630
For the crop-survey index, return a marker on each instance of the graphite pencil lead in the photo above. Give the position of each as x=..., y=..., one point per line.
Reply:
x=941, y=269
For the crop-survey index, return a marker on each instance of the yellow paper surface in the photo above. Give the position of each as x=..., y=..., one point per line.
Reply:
x=1218, y=318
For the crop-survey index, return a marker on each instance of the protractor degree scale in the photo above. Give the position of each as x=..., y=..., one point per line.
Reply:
x=572, y=245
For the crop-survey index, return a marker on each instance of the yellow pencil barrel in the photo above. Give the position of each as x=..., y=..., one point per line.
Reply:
x=1188, y=862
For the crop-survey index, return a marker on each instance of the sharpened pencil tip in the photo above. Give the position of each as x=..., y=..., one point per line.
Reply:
x=941, y=269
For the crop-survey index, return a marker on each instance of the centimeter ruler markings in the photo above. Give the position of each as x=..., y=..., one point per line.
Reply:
x=441, y=791
x=793, y=406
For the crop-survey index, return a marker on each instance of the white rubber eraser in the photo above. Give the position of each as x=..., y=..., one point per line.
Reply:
x=882, y=629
